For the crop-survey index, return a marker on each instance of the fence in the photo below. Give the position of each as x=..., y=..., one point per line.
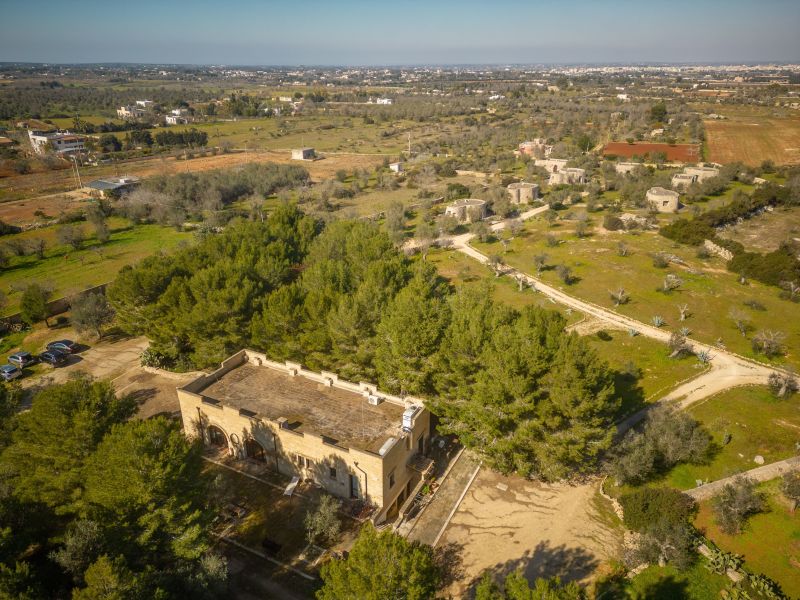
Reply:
x=59, y=305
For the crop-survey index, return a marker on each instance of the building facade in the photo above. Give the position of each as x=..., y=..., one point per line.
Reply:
x=351, y=439
x=663, y=200
x=61, y=142
x=303, y=154
x=467, y=210
x=522, y=192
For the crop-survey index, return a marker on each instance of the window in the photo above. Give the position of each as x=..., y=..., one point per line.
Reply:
x=332, y=472
x=391, y=480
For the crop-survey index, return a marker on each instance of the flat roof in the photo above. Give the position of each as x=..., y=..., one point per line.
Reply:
x=346, y=418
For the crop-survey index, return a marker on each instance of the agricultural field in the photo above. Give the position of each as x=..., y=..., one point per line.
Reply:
x=770, y=542
x=69, y=271
x=753, y=135
x=678, y=152
x=707, y=288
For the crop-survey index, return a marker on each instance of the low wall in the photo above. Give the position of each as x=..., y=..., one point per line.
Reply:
x=723, y=253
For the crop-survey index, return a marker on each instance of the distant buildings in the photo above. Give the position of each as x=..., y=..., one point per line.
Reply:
x=130, y=113
x=384, y=101
x=467, y=210
x=61, y=142
x=681, y=181
x=568, y=176
x=113, y=186
x=522, y=192
x=303, y=154
x=176, y=120
x=146, y=104
x=624, y=168
x=702, y=173
x=551, y=165
x=663, y=200
x=536, y=148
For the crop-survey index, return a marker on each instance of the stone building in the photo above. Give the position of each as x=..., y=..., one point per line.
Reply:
x=349, y=438
x=467, y=210
x=702, y=173
x=303, y=154
x=568, y=176
x=681, y=181
x=551, y=165
x=663, y=200
x=522, y=192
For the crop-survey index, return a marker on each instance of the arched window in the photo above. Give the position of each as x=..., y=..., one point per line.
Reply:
x=254, y=450
x=216, y=437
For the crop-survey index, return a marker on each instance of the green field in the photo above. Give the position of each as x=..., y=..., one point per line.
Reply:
x=708, y=288
x=669, y=583
x=69, y=271
x=657, y=372
x=770, y=542
x=758, y=423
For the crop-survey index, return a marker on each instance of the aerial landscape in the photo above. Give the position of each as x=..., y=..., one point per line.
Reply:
x=492, y=301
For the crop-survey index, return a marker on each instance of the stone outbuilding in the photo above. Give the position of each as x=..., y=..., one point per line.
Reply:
x=467, y=210
x=522, y=192
x=663, y=200
x=681, y=181
x=568, y=176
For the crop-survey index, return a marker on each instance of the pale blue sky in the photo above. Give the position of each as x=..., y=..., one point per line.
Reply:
x=358, y=32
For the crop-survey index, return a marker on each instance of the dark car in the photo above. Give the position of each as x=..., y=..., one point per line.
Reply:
x=53, y=357
x=22, y=359
x=65, y=346
x=9, y=372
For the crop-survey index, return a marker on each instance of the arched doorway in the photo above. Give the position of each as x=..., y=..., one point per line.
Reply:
x=254, y=450
x=216, y=437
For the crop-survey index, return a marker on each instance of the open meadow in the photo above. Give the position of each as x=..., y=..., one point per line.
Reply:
x=709, y=291
x=753, y=135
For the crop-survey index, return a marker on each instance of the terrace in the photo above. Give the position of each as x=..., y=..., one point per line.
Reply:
x=344, y=417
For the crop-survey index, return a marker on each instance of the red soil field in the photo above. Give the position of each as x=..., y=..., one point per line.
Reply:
x=677, y=152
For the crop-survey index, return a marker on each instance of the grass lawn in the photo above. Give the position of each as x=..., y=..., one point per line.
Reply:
x=758, y=423
x=708, y=288
x=765, y=232
x=461, y=270
x=770, y=542
x=657, y=372
x=70, y=271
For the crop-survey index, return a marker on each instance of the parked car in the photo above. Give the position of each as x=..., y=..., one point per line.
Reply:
x=65, y=346
x=9, y=372
x=53, y=357
x=22, y=359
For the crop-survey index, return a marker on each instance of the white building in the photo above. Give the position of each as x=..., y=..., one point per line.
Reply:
x=681, y=181
x=551, y=165
x=61, y=142
x=385, y=101
x=467, y=210
x=663, y=200
x=145, y=103
x=176, y=120
x=396, y=167
x=624, y=168
x=303, y=154
x=130, y=112
x=568, y=176
x=702, y=172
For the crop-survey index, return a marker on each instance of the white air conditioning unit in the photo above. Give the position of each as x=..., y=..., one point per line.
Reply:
x=374, y=400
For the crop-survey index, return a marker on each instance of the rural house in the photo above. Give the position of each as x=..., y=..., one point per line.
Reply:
x=522, y=192
x=467, y=210
x=303, y=154
x=61, y=142
x=349, y=438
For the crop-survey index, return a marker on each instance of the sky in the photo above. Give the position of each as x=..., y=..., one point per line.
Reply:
x=399, y=32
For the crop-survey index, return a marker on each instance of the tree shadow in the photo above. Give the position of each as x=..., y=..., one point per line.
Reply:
x=546, y=561
x=628, y=389
x=450, y=562
x=667, y=588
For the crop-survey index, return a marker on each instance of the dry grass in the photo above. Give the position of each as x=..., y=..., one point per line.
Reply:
x=753, y=138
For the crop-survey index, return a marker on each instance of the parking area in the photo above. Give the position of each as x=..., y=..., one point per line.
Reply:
x=508, y=523
x=117, y=359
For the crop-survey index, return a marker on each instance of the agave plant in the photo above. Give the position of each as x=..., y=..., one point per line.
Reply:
x=658, y=321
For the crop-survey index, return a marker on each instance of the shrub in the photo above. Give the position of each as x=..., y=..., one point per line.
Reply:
x=613, y=223
x=323, y=524
x=647, y=506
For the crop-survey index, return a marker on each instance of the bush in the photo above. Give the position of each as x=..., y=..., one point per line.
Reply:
x=613, y=223
x=647, y=506
x=323, y=524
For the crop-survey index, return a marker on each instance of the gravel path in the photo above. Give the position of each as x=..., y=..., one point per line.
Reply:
x=765, y=473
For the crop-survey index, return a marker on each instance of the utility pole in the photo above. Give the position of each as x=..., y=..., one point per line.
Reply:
x=77, y=171
x=409, y=144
